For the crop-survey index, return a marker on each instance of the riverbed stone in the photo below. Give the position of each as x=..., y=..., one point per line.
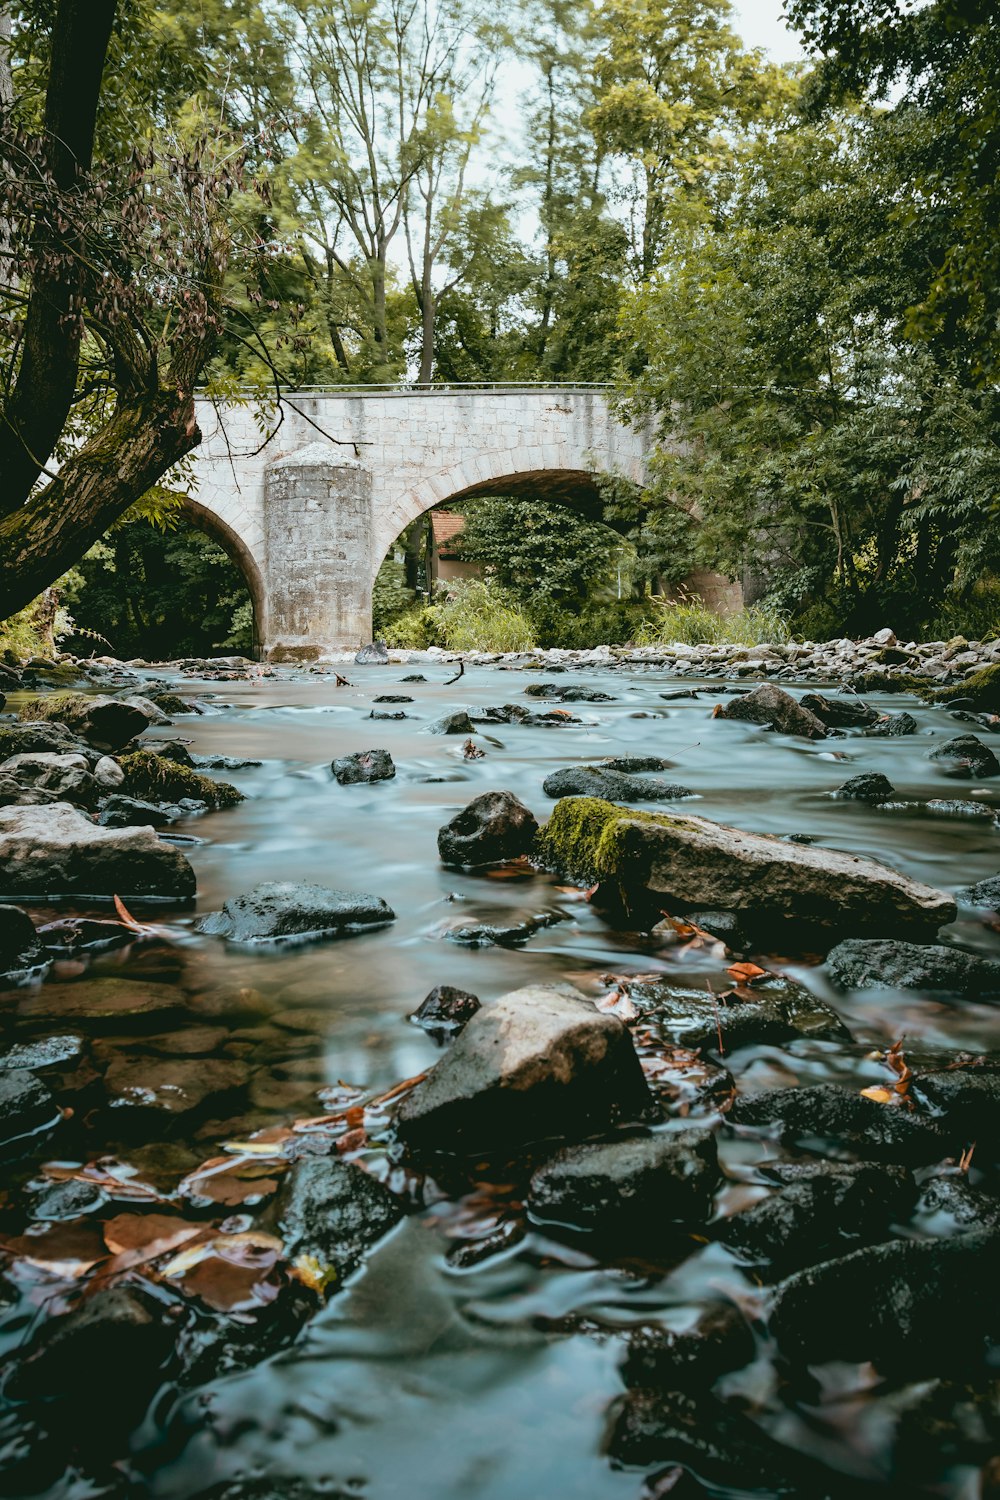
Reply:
x=171, y=1086
x=539, y=1061
x=966, y=756
x=892, y=726
x=38, y=737
x=870, y=786
x=954, y=1198
x=373, y=655
x=629, y=1186
x=505, y=934
x=768, y=1013
x=105, y=723
x=288, y=909
x=717, y=1341
x=818, y=1210
x=363, y=765
x=67, y=776
x=636, y=765
x=334, y=1211
x=692, y=862
x=771, y=706
x=983, y=893
x=969, y=1099
x=105, y=1004
x=456, y=723
x=445, y=1011
x=847, y=712
x=915, y=1306
x=871, y=963
x=25, y=1105
x=56, y=851
x=492, y=828
x=613, y=786
x=825, y=1114
x=568, y=692
x=132, y=812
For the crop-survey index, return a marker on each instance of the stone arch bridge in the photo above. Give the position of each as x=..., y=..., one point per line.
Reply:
x=310, y=514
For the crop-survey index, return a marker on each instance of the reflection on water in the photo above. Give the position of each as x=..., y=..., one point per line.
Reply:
x=424, y=1379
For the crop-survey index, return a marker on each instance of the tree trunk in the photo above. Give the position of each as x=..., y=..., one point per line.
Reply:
x=36, y=413
x=96, y=486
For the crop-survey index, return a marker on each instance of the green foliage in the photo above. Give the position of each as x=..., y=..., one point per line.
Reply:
x=390, y=596
x=154, y=777
x=542, y=552
x=476, y=614
x=163, y=593
x=690, y=621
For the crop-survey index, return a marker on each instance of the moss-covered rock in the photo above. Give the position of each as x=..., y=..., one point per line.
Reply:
x=651, y=859
x=105, y=723
x=982, y=690
x=153, y=778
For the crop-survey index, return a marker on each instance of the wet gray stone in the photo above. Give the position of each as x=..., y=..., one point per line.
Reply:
x=629, y=1186
x=333, y=1210
x=613, y=786
x=493, y=827
x=364, y=765
x=277, y=910
x=966, y=756
x=872, y=963
x=870, y=786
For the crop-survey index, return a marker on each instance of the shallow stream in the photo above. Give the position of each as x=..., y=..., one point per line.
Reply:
x=425, y=1379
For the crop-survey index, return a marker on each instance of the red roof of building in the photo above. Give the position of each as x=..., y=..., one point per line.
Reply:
x=445, y=526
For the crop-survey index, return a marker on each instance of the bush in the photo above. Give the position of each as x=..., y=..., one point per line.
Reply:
x=690, y=621
x=616, y=623
x=414, y=630
x=475, y=615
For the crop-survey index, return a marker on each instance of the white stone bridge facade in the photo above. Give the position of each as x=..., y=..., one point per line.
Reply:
x=310, y=514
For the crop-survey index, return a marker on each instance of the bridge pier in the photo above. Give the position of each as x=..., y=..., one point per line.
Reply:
x=318, y=562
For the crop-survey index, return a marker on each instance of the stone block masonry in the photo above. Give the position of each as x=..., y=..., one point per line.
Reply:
x=311, y=515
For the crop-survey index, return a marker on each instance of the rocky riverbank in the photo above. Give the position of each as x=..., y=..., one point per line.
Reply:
x=707, y=1110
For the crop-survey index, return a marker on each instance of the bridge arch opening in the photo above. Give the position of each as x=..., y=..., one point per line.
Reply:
x=192, y=589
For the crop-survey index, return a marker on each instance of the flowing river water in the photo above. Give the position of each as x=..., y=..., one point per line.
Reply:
x=425, y=1377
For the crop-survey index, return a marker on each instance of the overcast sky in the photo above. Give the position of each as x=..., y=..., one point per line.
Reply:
x=761, y=25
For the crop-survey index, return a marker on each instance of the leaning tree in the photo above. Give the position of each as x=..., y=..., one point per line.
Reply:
x=111, y=300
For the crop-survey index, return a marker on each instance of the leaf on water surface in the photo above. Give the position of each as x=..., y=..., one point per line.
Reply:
x=472, y=751
x=111, y=1176
x=156, y=1232
x=747, y=972
x=68, y=1250
x=313, y=1273
x=879, y=1094
x=353, y=1140
x=230, y=1272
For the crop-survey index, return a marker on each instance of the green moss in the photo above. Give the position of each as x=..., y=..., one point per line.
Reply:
x=881, y=682
x=55, y=707
x=153, y=777
x=172, y=704
x=585, y=838
x=983, y=688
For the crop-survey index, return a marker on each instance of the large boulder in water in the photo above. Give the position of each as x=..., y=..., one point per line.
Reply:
x=775, y=709
x=692, y=862
x=105, y=723
x=865, y=964
x=541, y=1061
x=493, y=827
x=56, y=851
x=287, y=909
x=966, y=756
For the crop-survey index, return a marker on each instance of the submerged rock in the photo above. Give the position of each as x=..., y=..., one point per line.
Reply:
x=25, y=1105
x=56, y=851
x=824, y=1113
x=917, y=1306
x=818, y=1210
x=20, y=945
x=768, y=1013
x=540, y=1061
x=277, y=910
x=864, y=964
x=364, y=765
x=629, y=1186
x=966, y=756
x=567, y=693
x=116, y=1005
x=773, y=707
x=693, y=862
x=618, y=786
x=334, y=1211
x=445, y=1011
x=172, y=1086
x=502, y=934
x=493, y=827
x=870, y=786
